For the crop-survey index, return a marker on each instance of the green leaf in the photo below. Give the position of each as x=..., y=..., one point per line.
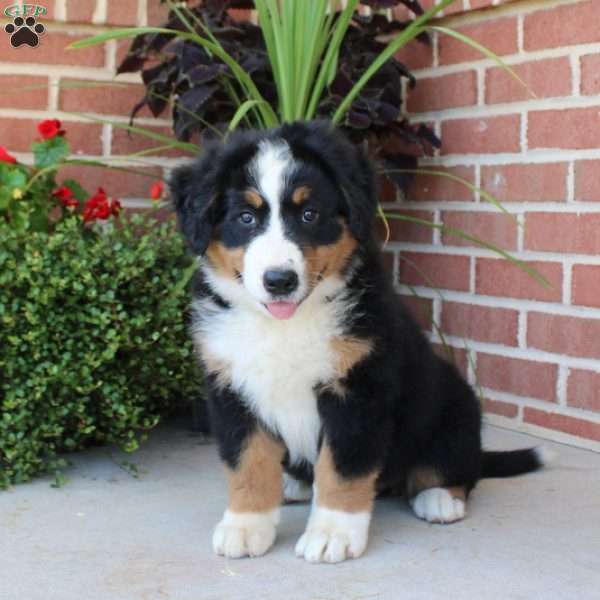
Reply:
x=240, y=113
x=50, y=152
x=411, y=32
x=13, y=178
x=269, y=117
x=5, y=197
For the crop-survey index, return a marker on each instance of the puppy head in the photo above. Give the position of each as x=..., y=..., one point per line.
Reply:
x=276, y=214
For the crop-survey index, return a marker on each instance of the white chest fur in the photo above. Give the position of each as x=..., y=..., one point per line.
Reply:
x=274, y=365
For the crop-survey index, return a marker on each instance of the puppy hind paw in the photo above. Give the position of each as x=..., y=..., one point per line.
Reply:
x=437, y=505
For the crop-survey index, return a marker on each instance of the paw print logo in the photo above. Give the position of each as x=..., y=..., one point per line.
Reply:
x=24, y=31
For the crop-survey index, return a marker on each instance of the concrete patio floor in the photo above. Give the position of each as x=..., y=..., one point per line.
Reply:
x=107, y=535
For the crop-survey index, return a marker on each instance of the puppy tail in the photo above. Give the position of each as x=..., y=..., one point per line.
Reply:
x=515, y=462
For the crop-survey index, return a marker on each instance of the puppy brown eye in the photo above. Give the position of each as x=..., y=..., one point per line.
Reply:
x=310, y=215
x=247, y=218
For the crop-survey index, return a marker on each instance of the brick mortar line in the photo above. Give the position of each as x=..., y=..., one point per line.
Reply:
x=53, y=93
x=111, y=60
x=543, y=433
x=573, y=50
x=571, y=183
x=514, y=208
x=520, y=33
x=472, y=275
x=437, y=234
x=106, y=137
x=554, y=309
x=575, y=63
x=561, y=385
x=137, y=203
x=142, y=13
x=477, y=198
x=522, y=330
x=101, y=12
x=67, y=71
x=165, y=162
x=567, y=282
x=529, y=354
x=481, y=88
x=477, y=252
x=533, y=156
x=472, y=368
x=500, y=11
x=551, y=407
x=523, y=132
x=507, y=108
x=521, y=232
x=78, y=29
x=68, y=117
x=60, y=10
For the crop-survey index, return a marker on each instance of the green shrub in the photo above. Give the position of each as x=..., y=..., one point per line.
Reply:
x=93, y=340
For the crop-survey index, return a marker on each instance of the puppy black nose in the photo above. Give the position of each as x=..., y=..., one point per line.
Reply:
x=280, y=282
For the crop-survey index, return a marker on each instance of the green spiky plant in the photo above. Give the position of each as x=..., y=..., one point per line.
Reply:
x=303, y=41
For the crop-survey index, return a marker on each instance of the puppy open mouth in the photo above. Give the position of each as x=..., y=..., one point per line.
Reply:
x=282, y=310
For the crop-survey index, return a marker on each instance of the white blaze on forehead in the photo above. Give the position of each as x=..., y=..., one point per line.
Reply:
x=270, y=169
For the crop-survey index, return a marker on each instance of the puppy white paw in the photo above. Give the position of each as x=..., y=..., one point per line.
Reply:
x=437, y=505
x=245, y=534
x=333, y=536
x=294, y=490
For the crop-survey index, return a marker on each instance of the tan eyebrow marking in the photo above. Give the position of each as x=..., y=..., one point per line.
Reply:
x=253, y=198
x=301, y=194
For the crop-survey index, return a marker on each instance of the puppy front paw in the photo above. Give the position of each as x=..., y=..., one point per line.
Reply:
x=333, y=536
x=245, y=534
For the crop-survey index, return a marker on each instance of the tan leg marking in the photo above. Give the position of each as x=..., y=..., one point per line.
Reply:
x=324, y=261
x=253, y=198
x=256, y=485
x=334, y=492
x=459, y=492
x=301, y=194
x=228, y=262
x=422, y=478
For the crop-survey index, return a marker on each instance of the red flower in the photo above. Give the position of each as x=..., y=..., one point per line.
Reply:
x=156, y=190
x=115, y=207
x=98, y=207
x=65, y=196
x=50, y=128
x=6, y=157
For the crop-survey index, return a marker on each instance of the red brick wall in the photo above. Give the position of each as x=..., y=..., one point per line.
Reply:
x=534, y=351
x=31, y=80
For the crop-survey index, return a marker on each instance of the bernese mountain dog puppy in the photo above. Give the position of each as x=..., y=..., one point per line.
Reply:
x=318, y=378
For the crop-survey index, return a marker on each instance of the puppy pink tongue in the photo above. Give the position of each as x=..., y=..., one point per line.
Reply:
x=282, y=310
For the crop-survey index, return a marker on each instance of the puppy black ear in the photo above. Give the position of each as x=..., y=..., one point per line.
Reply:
x=346, y=164
x=193, y=192
x=358, y=185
